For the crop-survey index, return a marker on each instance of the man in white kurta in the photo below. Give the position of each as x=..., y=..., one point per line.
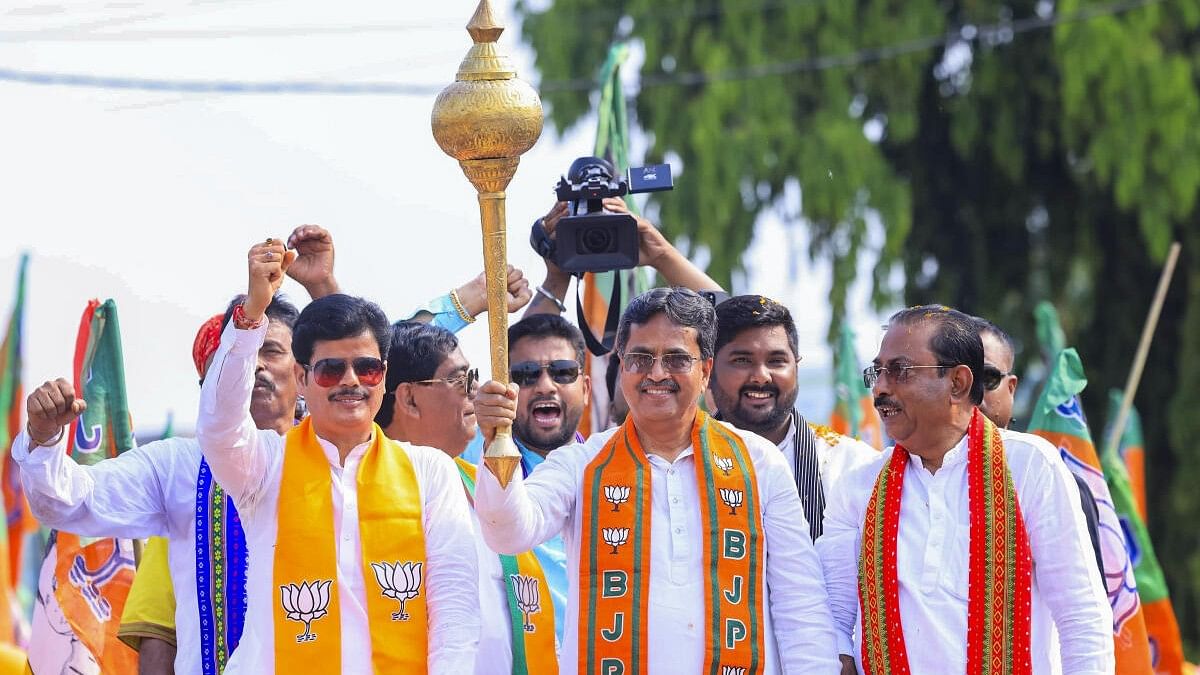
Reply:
x=249, y=465
x=754, y=386
x=924, y=410
x=798, y=635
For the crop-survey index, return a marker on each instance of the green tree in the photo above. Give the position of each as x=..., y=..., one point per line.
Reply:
x=1017, y=151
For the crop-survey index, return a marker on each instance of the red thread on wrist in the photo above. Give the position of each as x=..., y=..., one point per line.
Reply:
x=241, y=321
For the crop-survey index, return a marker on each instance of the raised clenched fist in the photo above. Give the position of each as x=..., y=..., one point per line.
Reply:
x=268, y=263
x=51, y=407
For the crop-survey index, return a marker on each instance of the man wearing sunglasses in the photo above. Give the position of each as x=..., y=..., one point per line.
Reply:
x=956, y=524
x=164, y=489
x=357, y=562
x=999, y=391
x=687, y=546
x=754, y=386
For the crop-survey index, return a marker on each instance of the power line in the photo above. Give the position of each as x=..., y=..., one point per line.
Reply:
x=992, y=33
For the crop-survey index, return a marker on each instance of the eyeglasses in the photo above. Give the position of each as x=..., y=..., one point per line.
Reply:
x=992, y=377
x=465, y=380
x=676, y=363
x=329, y=372
x=527, y=373
x=897, y=374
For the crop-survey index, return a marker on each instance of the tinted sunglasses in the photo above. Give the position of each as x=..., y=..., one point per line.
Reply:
x=992, y=377
x=675, y=362
x=527, y=373
x=329, y=372
x=465, y=381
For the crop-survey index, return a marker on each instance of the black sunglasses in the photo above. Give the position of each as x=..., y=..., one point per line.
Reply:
x=527, y=373
x=992, y=377
x=329, y=372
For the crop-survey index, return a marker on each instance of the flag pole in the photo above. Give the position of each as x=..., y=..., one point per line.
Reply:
x=1139, y=359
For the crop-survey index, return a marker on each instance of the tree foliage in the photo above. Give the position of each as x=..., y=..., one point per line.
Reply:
x=1019, y=151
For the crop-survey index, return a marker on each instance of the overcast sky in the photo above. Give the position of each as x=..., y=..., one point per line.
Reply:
x=153, y=198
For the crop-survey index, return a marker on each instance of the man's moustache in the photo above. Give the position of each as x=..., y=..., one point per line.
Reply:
x=765, y=388
x=349, y=391
x=265, y=383
x=886, y=400
x=667, y=384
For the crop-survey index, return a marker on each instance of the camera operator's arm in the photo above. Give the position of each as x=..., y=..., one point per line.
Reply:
x=655, y=251
x=557, y=281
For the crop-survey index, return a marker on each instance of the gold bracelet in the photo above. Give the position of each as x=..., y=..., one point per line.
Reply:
x=458, y=306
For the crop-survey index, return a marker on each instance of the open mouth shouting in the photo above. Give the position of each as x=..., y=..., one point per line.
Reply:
x=547, y=413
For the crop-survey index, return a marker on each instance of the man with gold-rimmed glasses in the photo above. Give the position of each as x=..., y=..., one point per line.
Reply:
x=956, y=524
x=428, y=401
x=688, y=549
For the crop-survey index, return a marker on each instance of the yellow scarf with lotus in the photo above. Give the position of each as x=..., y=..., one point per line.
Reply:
x=308, y=614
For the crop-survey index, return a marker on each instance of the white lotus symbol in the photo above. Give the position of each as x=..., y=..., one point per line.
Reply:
x=725, y=464
x=528, y=597
x=306, y=602
x=732, y=670
x=399, y=581
x=616, y=495
x=732, y=499
x=615, y=536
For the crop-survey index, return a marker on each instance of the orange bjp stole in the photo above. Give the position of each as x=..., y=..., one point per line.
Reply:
x=614, y=568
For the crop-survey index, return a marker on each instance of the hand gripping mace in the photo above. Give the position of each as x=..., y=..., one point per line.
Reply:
x=486, y=119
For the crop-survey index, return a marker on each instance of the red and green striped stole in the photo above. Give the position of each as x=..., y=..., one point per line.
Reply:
x=614, y=567
x=1000, y=565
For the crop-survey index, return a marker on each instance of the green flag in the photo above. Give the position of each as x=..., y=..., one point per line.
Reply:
x=1166, y=650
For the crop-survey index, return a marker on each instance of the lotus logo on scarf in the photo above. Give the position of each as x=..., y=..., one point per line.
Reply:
x=732, y=670
x=306, y=602
x=725, y=464
x=615, y=536
x=399, y=581
x=733, y=499
x=616, y=495
x=528, y=597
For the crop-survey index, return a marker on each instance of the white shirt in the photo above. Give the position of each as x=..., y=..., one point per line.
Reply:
x=495, y=638
x=248, y=464
x=799, y=637
x=835, y=457
x=932, y=555
x=145, y=492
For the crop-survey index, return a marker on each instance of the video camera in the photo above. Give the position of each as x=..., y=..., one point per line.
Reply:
x=589, y=239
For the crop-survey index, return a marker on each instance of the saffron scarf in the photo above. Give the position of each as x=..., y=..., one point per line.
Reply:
x=531, y=614
x=1000, y=565
x=614, y=567
x=308, y=617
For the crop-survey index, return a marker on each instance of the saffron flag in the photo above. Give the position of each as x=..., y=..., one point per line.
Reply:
x=1058, y=417
x=854, y=413
x=1130, y=450
x=1166, y=649
x=83, y=585
x=18, y=520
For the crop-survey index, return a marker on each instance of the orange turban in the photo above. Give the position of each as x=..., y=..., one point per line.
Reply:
x=208, y=338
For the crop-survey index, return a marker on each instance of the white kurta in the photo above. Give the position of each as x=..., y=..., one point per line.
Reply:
x=248, y=463
x=933, y=561
x=146, y=492
x=835, y=457
x=799, y=636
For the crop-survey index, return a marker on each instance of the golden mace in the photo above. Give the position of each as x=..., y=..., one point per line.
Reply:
x=486, y=120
